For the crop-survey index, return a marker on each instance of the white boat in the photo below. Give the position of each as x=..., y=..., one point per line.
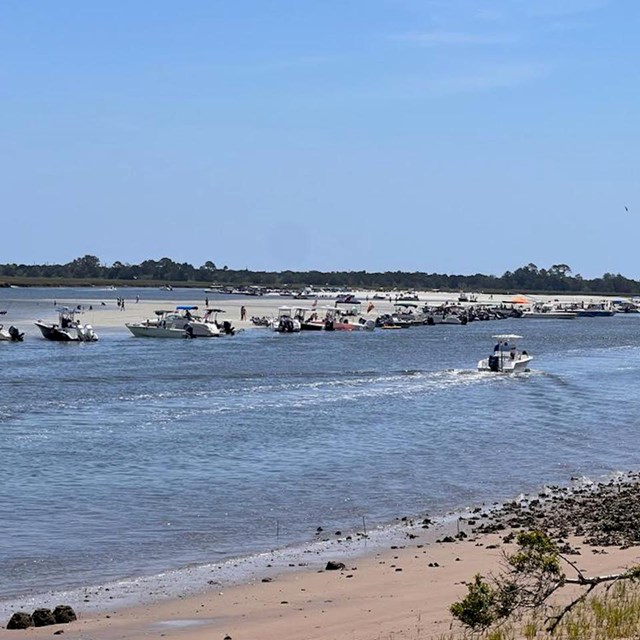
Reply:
x=181, y=323
x=506, y=357
x=285, y=322
x=311, y=319
x=603, y=310
x=67, y=329
x=11, y=334
x=548, y=312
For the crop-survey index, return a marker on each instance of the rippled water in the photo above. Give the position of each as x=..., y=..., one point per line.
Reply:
x=131, y=456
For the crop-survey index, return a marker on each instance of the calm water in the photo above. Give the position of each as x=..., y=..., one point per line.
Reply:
x=130, y=456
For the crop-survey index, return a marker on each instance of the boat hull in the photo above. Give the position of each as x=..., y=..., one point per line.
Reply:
x=286, y=325
x=597, y=313
x=549, y=315
x=312, y=326
x=141, y=331
x=70, y=334
x=506, y=364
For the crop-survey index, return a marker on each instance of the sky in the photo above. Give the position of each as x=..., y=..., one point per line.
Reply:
x=450, y=136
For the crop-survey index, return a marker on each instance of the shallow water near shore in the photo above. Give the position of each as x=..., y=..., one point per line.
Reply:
x=132, y=457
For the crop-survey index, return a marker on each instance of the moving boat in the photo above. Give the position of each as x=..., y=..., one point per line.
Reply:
x=11, y=334
x=179, y=323
x=506, y=357
x=67, y=329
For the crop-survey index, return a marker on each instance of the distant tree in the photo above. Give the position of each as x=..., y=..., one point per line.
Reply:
x=561, y=270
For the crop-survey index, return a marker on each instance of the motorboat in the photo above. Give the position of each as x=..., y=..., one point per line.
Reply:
x=337, y=320
x=548, y=312
x=345, y=324
x=596, y=311
x=407, y=314
x=309, y=319
x=180, y=323
x=445, y=314
x=285, y=322
x=347, y=298
x=506, y=357
x=12, y=334
x=67, y=329
x=625, y=307
x=454, y=318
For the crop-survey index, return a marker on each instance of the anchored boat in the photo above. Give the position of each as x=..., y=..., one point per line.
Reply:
x=12, y=334
x=67, y=329
x=181, y=323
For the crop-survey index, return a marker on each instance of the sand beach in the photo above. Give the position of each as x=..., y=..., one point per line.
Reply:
x=402, y=591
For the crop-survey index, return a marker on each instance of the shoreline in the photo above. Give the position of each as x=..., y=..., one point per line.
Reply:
x=103, y=314
x=177, y=589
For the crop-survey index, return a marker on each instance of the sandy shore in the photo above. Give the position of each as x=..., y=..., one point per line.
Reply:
x=103, y=313
x=399, y=593
x=402, y=591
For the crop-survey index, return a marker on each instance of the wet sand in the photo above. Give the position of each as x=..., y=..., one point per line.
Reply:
x=402, y=591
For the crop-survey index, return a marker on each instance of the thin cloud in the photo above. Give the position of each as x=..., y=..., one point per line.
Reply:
x=559, y=8
x=481, y=79
x=454, y=38
x=489, y=78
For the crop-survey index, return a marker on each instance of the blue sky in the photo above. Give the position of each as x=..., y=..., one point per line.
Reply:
x=455, y=136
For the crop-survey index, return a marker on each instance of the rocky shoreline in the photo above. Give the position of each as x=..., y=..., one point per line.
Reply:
x=602, y=514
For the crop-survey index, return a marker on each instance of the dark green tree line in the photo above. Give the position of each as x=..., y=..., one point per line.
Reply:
x=529, y=278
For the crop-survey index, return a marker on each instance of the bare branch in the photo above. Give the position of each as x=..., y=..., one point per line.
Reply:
x=557, y=619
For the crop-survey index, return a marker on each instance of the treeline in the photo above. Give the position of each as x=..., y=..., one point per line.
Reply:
x=557, y=278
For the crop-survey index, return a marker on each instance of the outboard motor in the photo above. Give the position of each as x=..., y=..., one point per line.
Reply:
x=227, y=328
x=188, y=331
x=16, y=336
x=89, y=334
x=494, y=363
